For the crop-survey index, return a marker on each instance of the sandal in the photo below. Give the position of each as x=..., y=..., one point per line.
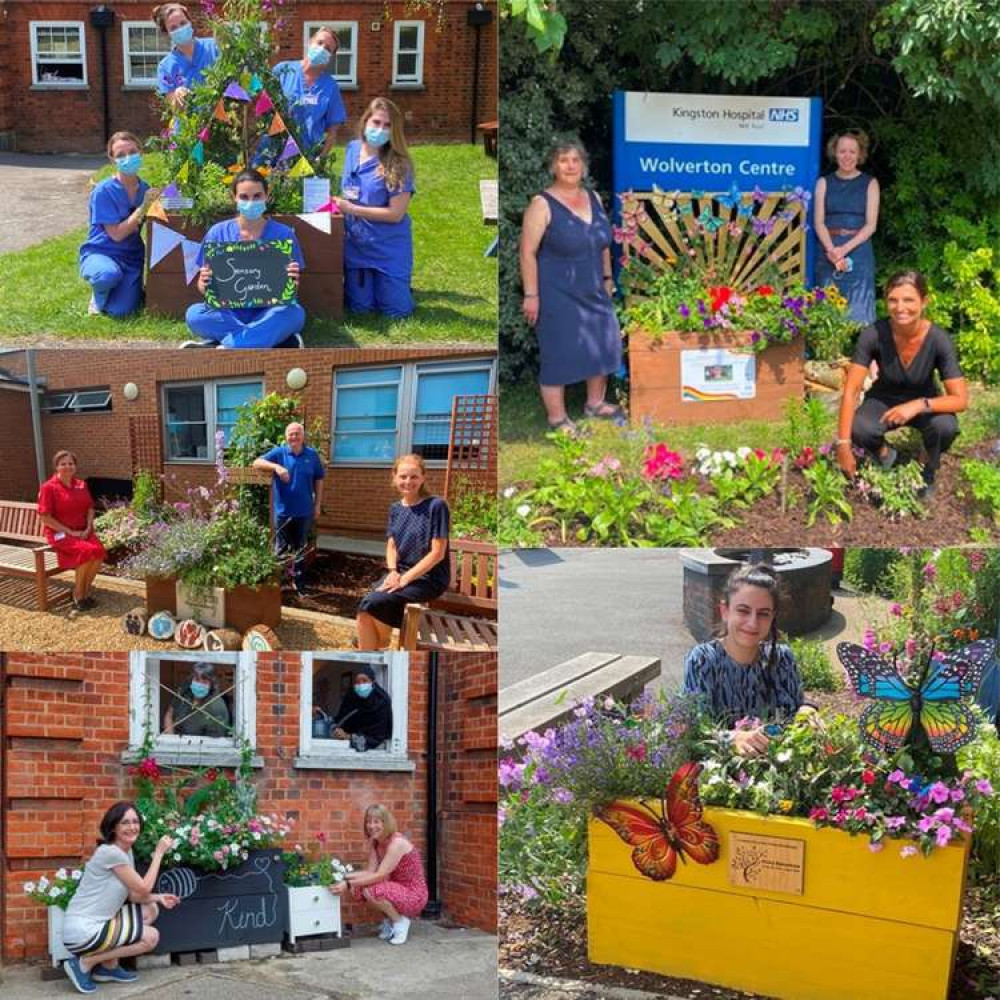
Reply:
x=564, y=426
x=605, y=411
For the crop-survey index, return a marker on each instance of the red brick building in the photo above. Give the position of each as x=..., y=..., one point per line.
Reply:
x=66, y=737
x=375, y=404
x=56, y=66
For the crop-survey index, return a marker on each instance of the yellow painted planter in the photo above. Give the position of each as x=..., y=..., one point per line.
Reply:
x=865, y=925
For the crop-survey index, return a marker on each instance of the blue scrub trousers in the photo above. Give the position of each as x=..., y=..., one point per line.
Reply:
x=117, y=287
x=366, y=289
x=268, y=328
x=291, y=535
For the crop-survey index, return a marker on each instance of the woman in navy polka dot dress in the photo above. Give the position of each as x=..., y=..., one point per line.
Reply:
x=416, y=555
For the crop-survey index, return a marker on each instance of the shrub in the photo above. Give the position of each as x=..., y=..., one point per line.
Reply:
x=868, y=570
x=814, y=665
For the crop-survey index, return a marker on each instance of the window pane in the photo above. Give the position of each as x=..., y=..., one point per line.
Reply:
x=342, y=64
x=364, y=447
x=350, y=425
x=214, y=717
x=367, y=402
x=188, y=440
x=227, y=399
x=346, y=38
x=57, y=42
x=408, y=37
x=57, y=72
x=187, y=426
x=186, y=403
x=406, y=65
x=435, y=390
x=367, y=376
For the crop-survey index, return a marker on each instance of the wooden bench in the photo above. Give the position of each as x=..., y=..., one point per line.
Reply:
x=549, y=697
x=19, y=522
x=490, y=132
x=464, y=616
x=489, y=203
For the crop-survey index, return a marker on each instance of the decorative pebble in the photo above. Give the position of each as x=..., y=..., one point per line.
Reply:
x=189, y=634
x=218, y=640
x=162, y=625
x=260, y=639
x=134, y=621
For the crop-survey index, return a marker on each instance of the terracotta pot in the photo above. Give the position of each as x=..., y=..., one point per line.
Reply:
x=657, y=392
x=249, y=606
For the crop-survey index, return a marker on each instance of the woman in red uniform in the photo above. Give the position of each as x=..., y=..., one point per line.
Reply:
x=66, y=508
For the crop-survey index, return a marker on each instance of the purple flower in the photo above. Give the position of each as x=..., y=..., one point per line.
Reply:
x=939, y=792
x=944, y=815
x=562, y=795
x=930, y=572
x=926, y=824
x=984, y=787
x=895, y=822
x=819, y=295
x=943, y=836
x=684, y=310
x=754, y=336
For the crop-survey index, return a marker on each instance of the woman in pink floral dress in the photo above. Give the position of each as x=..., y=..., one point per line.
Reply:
x=393, y=881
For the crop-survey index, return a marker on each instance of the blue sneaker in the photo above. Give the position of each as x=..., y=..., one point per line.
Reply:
x=102, y=974
x=79, y=978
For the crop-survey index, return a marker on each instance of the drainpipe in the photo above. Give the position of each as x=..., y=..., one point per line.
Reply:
x=102, y=18
x=34, y=390
x=477, y=17
x=433, y=907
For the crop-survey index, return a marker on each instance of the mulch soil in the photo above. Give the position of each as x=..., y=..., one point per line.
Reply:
x=336, y=582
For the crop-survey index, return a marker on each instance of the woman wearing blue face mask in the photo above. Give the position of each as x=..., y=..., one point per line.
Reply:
x=187, y=61
x=198, y=708
x=365, y=714
x=263, y=326
x=111, y=257
x=313, y=94
x=376, y=187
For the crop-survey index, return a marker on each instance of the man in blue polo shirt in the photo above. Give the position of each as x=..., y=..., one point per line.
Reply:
x=298, y=493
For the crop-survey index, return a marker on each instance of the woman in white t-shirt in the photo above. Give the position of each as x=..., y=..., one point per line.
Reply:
x=110, y=914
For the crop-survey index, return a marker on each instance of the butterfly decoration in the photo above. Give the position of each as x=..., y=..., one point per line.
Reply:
x=662, y=200
x=763, y=227
x=745, y=210
x=800, y=194
x=759, y=196
x=678, y=830
x=901, y=710
x=685, y=208
x=788, y=214
x=709, y=223
x=732, y=199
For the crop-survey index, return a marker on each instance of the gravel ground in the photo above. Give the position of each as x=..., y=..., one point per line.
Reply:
x=24, y=628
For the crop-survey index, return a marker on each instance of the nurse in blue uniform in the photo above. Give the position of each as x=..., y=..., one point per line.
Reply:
x=375, y=189
x=312, y=93
x=264, y=326
x=111, y=258
x=185, y=64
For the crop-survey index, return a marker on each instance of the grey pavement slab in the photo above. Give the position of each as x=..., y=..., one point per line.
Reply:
x=437, y=962
x=44, y=196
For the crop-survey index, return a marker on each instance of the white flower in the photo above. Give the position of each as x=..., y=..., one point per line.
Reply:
x=43, y=883
x=510, y=492
x=784, y=756
x=77, y=874
x=234, y=847
x=523, y=510
x=55, y=892
x=702, y=453
x=62, y=873
x=729, y=457
x=177, y=857
x=350, y=868
x=29, y=887
x=256, y=835
x=743, y=452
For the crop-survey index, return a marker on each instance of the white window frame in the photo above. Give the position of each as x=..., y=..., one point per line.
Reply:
x=309, y=29
x=208, y=751
x=211, y=413
x=417, y=80
x=319, y=753
x=406, y=404
x=33, y=27
x=131, y=81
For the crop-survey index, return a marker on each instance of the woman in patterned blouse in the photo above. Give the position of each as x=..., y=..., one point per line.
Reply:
x=747, y=673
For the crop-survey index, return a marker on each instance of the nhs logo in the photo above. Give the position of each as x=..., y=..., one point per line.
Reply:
x=782, y=114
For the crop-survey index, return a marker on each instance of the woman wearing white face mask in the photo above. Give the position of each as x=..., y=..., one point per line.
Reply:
x=312, y=93
x=187, y=61
x=376, y=187
x=257, y=326
x=111, y=257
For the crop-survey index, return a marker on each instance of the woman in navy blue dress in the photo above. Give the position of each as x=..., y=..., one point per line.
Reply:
x=747, y=672
x=567, y=281
x=845, y=218
x=416, y=555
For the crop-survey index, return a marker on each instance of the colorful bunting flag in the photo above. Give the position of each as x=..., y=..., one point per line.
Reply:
x=190, y=250
x=162, y=241
x=198, y=152
x=236, y=92
x=318, y=220
x=301, y=169
x=203, y=134
x=170, y=191
x=182, y=174
x=156, y=211
x=277, y=125
x=291, y=148
x=255, y=85
x=220, y=112
x=263, y=105
x=245, y=79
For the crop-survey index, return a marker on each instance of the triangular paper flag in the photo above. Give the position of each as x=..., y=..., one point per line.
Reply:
x=170, y=191
x=156, y=211
x=255, y=84
x=291, y=148
x=220, y=111
x=203, y=134
x=190, y=250
x=301, y=169
x=235, y=91
x=245, y=78
x=163, y=240
x=263, y=105
x=318, y=220
x=198, y=152
x=182, y=174
x=330, y=206
x=277, y=125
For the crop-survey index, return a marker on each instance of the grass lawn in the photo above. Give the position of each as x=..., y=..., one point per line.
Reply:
x=454, y=285
x=523, y=429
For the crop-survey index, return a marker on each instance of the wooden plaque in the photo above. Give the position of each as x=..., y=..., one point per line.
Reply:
x=773, y=863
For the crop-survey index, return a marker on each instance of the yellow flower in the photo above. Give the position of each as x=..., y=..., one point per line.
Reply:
x=785, y=805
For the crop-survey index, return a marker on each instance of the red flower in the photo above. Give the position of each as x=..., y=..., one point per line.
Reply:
x=720, y=295
x=321, y=837
x=211, y=774
x=830, y=749
x=763, y=290
x=868, y=777
x=636, y=753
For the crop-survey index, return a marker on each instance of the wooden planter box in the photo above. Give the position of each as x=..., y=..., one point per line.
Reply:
x=247, y=904
x=321, y=290
x=249, y=606
x=865, y=927
x=657, y=392
x=161, y=594
x=57, y=950
x=312, y=909
x=208, y=608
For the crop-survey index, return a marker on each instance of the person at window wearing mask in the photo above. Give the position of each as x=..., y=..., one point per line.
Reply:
x=198, y=709
x=258, y=326
x=185, y=64
x=312, y=93
x=375, y=190
x=365, y=714
x=111, y=257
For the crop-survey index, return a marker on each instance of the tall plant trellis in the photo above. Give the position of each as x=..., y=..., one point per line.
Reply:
x=472, y=445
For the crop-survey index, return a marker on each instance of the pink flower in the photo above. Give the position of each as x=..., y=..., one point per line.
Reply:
x=984, y=787
x=943, y=836
x=662, y=463
x=868, y=777
x=897, y=610
x=930, y=572
x=875, y=846
x=860, y=813
x=818, y=813
x=895, y=822
x=910, y=648
x=895, y=776
x=944, y=815
x=908, y=851
x=869, y=640
x=218, y=855
x=957, y=795
x=939, y=792
x=926, y=824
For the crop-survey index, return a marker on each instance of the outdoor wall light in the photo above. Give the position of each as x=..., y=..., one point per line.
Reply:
x=296, y=379
x=130, y=391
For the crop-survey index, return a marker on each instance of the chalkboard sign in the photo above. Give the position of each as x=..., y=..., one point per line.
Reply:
x=248, y=274
x=246, y=905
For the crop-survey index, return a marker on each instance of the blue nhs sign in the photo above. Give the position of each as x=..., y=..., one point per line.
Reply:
x=710, y=142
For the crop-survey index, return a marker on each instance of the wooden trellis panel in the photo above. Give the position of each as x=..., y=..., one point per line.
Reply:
x=740, y=240
x=145, y=444
x=472, y=444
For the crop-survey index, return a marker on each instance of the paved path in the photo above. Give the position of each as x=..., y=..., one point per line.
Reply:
x=44, y=196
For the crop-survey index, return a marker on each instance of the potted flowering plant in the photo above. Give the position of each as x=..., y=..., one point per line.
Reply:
x=309, y=873
x=55, y=892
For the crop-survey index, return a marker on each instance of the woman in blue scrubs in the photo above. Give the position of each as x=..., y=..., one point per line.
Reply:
x=187, y=61
x=375, y=189
x=312, y=93
x=111, y=258
x=263, y=326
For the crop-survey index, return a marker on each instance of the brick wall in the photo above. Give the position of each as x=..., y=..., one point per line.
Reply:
x=355, y=500
x=440, y=111
x=66, y=725
x=6, y=80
